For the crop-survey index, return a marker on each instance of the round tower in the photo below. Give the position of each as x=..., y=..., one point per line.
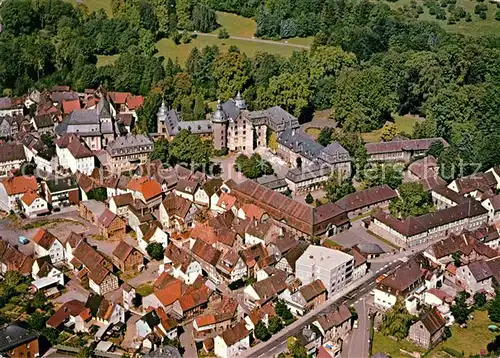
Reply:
x=220, y=123
x=239, y=101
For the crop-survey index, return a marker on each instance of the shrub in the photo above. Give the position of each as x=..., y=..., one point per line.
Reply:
x=223, y=34
x=155, y=250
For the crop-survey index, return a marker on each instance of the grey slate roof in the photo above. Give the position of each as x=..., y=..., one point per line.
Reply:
x=230, y=108
x=11, y=152
x=272, y=181
x=300, y=143
x=175, y=124
x=12, y=336
x=137, y=143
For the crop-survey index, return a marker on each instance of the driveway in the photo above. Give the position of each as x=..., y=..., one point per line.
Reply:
x=227, y=167
x=357, y=234
x=147, y=275
x=73, y=292
x=187, y=341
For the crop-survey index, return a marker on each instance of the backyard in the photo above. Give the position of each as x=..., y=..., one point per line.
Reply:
x=471, y=340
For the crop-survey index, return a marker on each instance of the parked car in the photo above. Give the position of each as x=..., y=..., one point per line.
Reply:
x=22, y=240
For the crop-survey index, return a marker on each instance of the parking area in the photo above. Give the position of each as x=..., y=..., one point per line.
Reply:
x=357, y=234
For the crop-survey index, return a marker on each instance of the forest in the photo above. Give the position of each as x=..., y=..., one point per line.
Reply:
x=366, y=63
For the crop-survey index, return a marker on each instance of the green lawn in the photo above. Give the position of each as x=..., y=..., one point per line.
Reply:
x=145, y=289
x=477, y=27
x=94, y=5
x=404, y=124
x=470, y=340
x=106, y=60
x=168, y=49
x=236, y=25
x=391, y=347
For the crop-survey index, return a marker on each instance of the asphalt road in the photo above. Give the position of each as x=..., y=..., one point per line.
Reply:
x=350, y=295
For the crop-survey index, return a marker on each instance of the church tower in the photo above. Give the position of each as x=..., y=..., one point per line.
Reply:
x=220, y=123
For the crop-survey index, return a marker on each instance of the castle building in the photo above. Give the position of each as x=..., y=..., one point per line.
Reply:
x=232, y=126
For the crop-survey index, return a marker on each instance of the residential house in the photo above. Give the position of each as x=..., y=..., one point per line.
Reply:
x=60, y=192
x=33, y=205
x=368, y=250
x=335, y=325
x=280, y=245
x=232, y=342
x=231, y=266
x=261, y=292
x=479, y=276
x=400, y=150
x=13, y=188
x=8, y=127
x=166, y=291
x=192, y=303
x=11, y=106
x=111, y=226
x=360, y=265
x=251, y=255
x=93, y=266
x=12, y=157
x=299, y=218
x=464, y=244
x=261, y=232
x=177, y=212
x=74, y=155
x=225, y=203
x=16, y=341
x=44, y=123
x=492, y=204
x=127, y=152
x=105, y=311
x=147, y=190
x=47, y=244
x=221, y=319
x=118, y=204
x=363, y=201
x=206, y=194
x=429, y=330
x=71, y=314
x=262, y=314
x=186, y=188
x=334, y=268
x=180, y=264
x=208, y=257
x=139, y=217
x=43, y=269
x=306, y=298
x=478, y=186
x=127, y=258
x=11, y=259
x=403, y=283
x=155, y=234
x=288, y=261
x=310, y=338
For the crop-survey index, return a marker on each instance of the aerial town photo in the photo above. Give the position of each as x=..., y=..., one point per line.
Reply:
x=250, y=178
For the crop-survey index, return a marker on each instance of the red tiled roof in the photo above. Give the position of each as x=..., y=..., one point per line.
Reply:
x=119, y=97
x=167, y=289
x=134, y=102
x=149, y=188
x=226, y=201
x=367, y=197
x=71, y=308
x=19, y=185
x=195, y=298
x=206, y=252
x=106, y=218
x=122, y=251
x=205, y=320
x=70, y=106
x=402, y=145
x=44, y=238
x=77, y=148
x=29, y=197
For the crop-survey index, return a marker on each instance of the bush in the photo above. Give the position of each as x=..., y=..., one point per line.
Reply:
x=497, y=16
x=309, y=199
x=186, y=37
x=236, y=284
x=223, y=34
x=176, y=37
x=468, y=17
x=482, y=15
x=480, y=8
x=447, y=332
x=221, y=152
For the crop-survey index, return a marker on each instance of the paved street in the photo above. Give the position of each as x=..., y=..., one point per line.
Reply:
x=357, y=344
x=350, y=294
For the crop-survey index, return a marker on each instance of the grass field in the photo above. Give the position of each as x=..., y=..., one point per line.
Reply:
x=236, y=25
x=106, y=60
x=167, y=48
x=391, y=347
x=477, y=27
x=404, y=124
x=93, y=5
x=470, y=340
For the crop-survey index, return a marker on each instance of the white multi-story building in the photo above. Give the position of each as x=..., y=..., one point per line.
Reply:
x=334, y=268
x=74, y=155
x=46, y=244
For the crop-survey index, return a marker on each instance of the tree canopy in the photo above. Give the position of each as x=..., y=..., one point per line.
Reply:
x=413, y=200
